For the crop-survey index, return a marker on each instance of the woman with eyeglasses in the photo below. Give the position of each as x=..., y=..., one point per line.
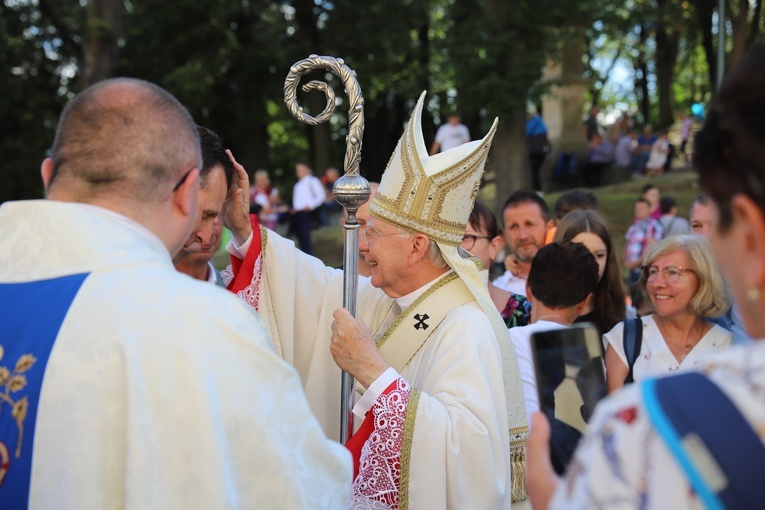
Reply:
x=685, y=287
x=628, y=457
x=482, y=240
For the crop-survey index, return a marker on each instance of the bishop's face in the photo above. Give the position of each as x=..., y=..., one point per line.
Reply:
x=386, y=256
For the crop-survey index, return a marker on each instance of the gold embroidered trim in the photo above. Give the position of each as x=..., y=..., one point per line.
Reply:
x=13, y=381
x=406, y=448
x=518, y=438
x=449, y=277
x=263, y=244
x=420, y=201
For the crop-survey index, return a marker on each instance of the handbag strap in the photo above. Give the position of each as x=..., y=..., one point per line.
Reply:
x=716, y=447
x=632, y=341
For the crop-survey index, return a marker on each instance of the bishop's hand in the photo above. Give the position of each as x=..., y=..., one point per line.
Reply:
x=236, y=209
x=354, y=349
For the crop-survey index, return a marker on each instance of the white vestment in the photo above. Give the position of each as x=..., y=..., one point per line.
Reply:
x=160, y=391
x=459, y=455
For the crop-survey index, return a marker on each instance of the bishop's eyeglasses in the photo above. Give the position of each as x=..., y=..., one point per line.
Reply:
x=370, y=234
x=670, y=273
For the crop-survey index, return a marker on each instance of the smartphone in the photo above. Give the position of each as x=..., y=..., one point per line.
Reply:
x=570, y=381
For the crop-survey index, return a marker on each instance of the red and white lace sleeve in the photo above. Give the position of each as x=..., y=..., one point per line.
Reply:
x=243, y=276
x=377, y=484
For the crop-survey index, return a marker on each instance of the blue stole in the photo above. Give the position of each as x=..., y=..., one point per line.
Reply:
x=31, y=315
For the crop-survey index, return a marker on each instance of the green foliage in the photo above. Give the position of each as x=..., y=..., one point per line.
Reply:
x=226, y=61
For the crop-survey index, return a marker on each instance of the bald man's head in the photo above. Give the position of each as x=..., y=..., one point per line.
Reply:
x=123, y=137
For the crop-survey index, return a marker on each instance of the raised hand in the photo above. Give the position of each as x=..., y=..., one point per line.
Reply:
x=236, y=209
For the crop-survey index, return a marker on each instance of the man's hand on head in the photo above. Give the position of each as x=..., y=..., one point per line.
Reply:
x=236, y=209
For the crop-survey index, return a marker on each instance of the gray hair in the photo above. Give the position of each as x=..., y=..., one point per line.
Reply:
x=712, y=298
x=434, y=252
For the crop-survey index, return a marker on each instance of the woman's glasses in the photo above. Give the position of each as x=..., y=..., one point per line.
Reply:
x=468, y=240
x=670, y=273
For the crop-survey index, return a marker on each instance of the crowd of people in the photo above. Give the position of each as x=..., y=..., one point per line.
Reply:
x=145, y=385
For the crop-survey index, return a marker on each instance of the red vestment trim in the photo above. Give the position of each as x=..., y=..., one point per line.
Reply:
x=244, y=269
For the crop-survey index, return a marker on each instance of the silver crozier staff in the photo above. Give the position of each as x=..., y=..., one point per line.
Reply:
x=351, y=190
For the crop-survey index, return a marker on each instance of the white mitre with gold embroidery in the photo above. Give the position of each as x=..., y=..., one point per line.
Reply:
x=434, y=195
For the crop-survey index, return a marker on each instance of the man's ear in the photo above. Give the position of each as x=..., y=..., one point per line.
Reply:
x=529, y=295
x=46, y=171
x=749, y=218
x=495, y=245
x=186, y=197
x=581, y=305
x=419, y=247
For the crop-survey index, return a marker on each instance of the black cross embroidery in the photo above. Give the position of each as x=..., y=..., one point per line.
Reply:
x=421, y=321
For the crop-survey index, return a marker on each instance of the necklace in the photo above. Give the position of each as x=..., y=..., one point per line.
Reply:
x=553, y=318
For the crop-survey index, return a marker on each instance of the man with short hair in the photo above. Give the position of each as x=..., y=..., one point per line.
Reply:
x=139, y=387
x=643, y=233
x=591, y=124
x=643, y=150
x=704, y=218
x=703, y=215
x=526, y=220
x=672, y=224
x=562, y=279
x=450, y=135
x=308, y=196
x=214, y=182
x=437, y=380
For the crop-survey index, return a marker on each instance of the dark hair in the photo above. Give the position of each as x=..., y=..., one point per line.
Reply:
x=638, y=295
x=701, y=199
x=527, y=197
x=213, y=154
x=481, y=217
x=609, y=299
x=575, y=200
x=641, y=199
x=648, y=187
x=730, y=148
x=563, y=274
x=667, y=203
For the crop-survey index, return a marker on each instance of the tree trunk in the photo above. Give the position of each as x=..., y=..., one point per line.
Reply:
x=319, y=136
x=667, y=47
x=641, y=80
x=739, y=22
x=704, y=11
x=510, y=157
x=100, y=44
x=509, y=154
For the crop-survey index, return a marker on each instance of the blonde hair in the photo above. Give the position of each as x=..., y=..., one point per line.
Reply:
x=712, y=299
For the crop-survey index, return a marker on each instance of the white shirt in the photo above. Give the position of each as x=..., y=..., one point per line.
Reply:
x=308, y=193
x=521, y=336
x=511, y=283
x=656, y=359
x=449, y=136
